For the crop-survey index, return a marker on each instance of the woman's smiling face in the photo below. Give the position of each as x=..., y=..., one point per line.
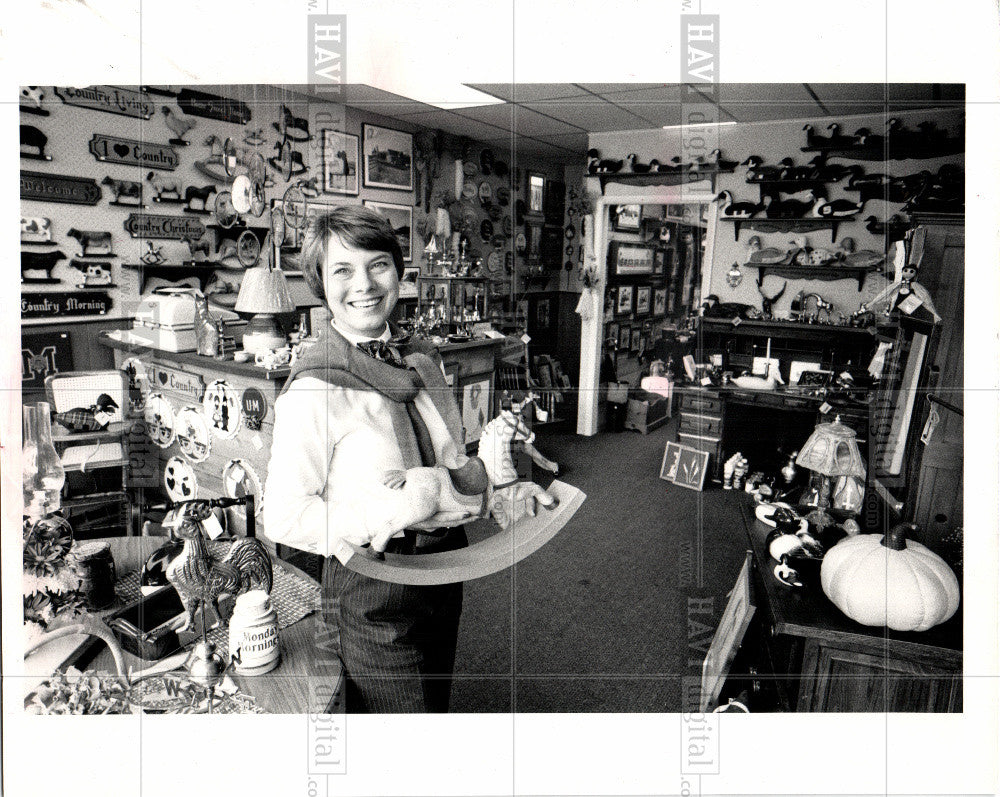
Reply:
x=361, y=288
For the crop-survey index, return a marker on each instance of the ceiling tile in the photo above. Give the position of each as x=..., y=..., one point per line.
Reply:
x=655, y=114
x=593, y=117
x=528, y=92
x=766, y=93
x=669, y=93
x=518, y=117
x=764, y=112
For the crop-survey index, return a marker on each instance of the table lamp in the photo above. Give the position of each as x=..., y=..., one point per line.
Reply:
x=264, y=293
x=832, y=451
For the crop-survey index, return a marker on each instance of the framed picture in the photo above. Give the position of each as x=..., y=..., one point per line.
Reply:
x=340, y=162
x=286, y=256
x=408, y=284
x=660, y=301
x=643, y=299
x=388, y=158
x=626, y=218
x=636, y=341
x=624, y=337
x=628, y=260
x=451, y=377
x=536, y=192
x=684, y=466
x=612, y=332
x=475, y=409
x=401, y=219
x=728, y=638
x=624, y=303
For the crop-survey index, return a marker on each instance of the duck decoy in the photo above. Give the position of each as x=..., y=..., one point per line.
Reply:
x=757, y=255
x=738, y=210
x=599, y=165
x=635, y=166
x=800, y=253
x=790, y=171
x=838, y=209
x=850, y=256
x=719, y=163
x=759, y=173
x=792, y=208
x=899, y=137
x=823, y=172
x=674, y=165
x=894, y=229
x=865, y=138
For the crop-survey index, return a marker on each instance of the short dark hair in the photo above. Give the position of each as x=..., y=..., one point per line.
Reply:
x=356, y=226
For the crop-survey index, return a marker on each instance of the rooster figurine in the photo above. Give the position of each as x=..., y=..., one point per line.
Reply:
x=88, y=419
x=199, y=577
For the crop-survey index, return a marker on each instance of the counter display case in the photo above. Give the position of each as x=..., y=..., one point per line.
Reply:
x=453, y=301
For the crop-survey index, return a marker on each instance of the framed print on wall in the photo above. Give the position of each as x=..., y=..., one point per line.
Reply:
x=536, y=192
x=660, y=301
x=401, y=219
x=388, y=158
x=626, y=218
x=636, y=342
x=340, y=162
x=643, y=296
x=624, y=303
x=624, y=337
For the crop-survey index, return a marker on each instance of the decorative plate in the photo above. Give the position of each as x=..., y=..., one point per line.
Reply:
x=470, y=168
x=222, y=407
x=225, y=213
x=498, y=241
x=256, y=168
x=258, y=201
x=240, y=479
x=570, y=232
x=180, y=480
x=241, y=190
x=469, y=190
x=248, y=248
x=520, y=242
x=230, y=157
x=508, y=226
x=503, y=196
x=160, y=421
x=192, y=434
x=495, y=213
x=278, y=229
x=485, y=194
x=569, y=250
x=493, y=262
x=486, y=230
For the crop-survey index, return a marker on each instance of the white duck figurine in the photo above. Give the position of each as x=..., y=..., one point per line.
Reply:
x=768, y=382
x=757, y=255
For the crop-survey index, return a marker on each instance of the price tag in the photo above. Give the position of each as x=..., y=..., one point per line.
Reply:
x=909, y=304
x=525, y=339
x=706, y=381
x=212, y=526
x=825, y=408
x=257, y=442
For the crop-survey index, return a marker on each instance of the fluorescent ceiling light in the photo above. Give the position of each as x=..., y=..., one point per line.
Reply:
x=445, y=95
x=699, y=124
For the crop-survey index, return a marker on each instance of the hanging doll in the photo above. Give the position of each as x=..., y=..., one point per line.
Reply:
x=905, y=285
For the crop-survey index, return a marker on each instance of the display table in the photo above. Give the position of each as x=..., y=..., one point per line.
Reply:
x=305, y=681
x=812, y=657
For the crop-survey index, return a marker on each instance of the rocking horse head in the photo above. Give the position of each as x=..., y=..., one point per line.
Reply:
x=498, y=435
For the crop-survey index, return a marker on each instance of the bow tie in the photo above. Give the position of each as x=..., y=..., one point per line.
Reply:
x=380, y=350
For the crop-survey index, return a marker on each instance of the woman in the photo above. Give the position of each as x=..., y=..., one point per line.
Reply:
x=360, y=404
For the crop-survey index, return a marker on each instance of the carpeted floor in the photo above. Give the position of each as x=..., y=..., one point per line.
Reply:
x=599, y=618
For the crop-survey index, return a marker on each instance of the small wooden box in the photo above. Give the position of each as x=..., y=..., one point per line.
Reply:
x=647, y=411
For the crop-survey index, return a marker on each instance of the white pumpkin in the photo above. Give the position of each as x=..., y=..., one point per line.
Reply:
x=897, y=583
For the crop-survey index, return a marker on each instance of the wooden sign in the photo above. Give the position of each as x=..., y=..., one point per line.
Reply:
x=211, y=106
x=148, y=225
x=59, y=188
x=163, y=378
x=54, y=305
x=128, y=151
x=108, y=99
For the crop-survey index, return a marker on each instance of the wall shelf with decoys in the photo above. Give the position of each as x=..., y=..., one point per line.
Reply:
x=783, y=225
x=823, y=273
x=897, y=143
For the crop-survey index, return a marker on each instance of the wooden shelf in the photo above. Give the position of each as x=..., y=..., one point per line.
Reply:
x=785, y=329
x=822, y=273
x=114, y=431
x=895, y=152
x=670, y=178
x=764, y=224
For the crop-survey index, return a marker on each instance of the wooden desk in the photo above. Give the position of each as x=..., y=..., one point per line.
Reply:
x=309, y=674
x=818, y=659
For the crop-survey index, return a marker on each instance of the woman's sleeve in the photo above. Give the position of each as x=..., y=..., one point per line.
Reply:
x=296, y=513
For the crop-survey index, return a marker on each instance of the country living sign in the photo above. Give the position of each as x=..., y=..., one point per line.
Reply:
x=53, y=305
x=148, y=225
x=128, y=151
x=59, y=188
x=189, y=384
x=108, y=99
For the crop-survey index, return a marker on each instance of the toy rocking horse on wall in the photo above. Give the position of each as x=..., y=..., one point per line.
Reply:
x=502, y=434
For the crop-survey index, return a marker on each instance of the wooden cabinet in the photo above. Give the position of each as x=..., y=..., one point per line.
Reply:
x=700, y=423
x=803, y=654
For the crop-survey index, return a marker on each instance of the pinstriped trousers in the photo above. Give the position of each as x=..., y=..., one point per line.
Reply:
x=396, y=641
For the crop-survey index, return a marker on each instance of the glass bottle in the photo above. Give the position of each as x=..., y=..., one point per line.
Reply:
x=42, y=469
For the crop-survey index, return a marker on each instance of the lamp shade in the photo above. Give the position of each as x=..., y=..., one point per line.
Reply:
x=264, y=290
x=832, y=449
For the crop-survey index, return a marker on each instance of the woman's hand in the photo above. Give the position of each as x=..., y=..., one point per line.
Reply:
x=510, y=504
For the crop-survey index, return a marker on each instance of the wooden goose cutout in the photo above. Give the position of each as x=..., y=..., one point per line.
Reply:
x=480, y=559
